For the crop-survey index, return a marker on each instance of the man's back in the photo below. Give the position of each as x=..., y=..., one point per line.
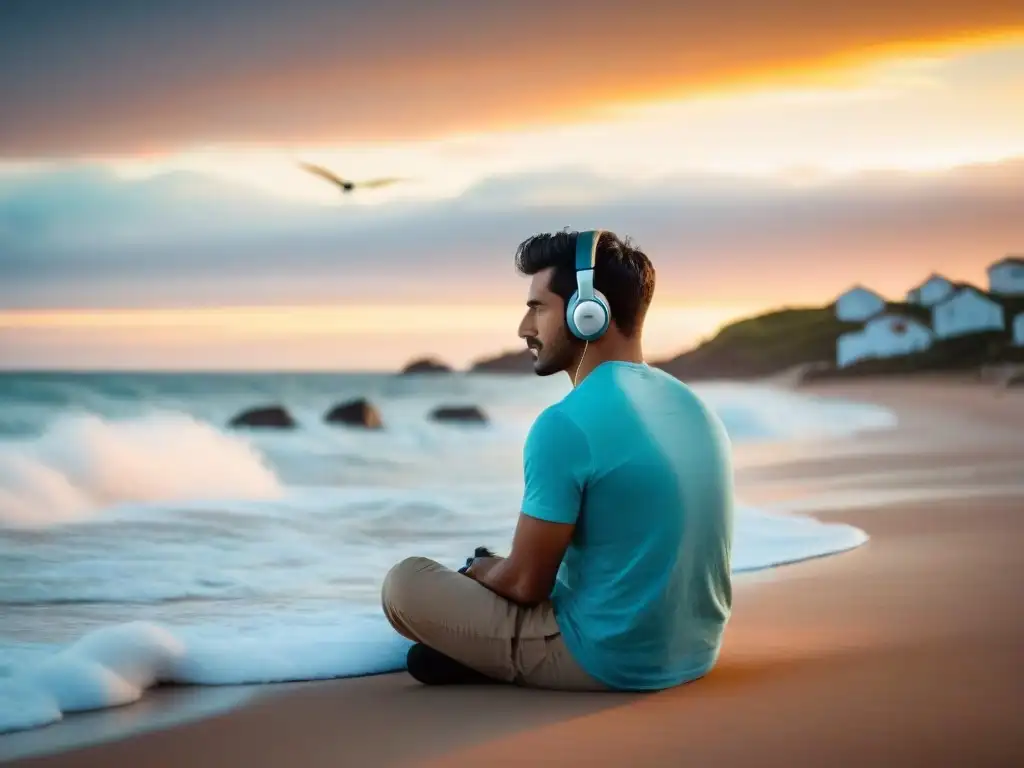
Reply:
x=644, y=591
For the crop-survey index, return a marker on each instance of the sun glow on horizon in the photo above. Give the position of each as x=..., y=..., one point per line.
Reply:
x=402, y=331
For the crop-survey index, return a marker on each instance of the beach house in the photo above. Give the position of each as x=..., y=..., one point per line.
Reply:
x=858, y=304
x=889, y=334
x=851, y=347
x=1006, y=276
x=967, y=310
x=933, y=290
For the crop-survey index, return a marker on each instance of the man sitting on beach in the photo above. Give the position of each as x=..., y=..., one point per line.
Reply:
x=619, y=572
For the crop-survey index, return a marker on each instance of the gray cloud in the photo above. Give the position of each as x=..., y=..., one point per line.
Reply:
x=81, y=238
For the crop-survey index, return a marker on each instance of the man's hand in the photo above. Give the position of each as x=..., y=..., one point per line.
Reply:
x=528, y=574
x=481, y=566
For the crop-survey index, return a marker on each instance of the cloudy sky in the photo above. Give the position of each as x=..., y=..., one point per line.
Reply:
x=763, y=153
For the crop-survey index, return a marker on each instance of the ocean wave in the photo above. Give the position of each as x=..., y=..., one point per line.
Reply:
x=259, y=555
x=765, y=413
x=83, y=463
x=85, y=442
x=120, y=599
x=343, y=560
x=114, y=665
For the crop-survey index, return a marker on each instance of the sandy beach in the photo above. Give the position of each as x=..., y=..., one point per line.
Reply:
x=905, y=651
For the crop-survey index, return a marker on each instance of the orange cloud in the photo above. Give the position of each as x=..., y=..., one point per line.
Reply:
x=332, y=74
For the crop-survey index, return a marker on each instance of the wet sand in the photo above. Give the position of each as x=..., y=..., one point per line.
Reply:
x=905, y=651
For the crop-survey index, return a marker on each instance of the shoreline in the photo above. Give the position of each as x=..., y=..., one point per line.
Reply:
x=814, y=656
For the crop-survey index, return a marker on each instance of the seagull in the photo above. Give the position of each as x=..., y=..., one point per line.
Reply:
x=346, y=185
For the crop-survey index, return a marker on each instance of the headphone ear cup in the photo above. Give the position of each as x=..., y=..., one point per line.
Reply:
x=570, y=308
x=593, y=320
x=603, y=301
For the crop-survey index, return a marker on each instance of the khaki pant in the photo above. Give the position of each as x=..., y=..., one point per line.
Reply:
x=454, y=614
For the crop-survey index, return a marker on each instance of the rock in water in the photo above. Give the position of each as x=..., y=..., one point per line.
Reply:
x=426, y=365
x=460, y=413
x=355, y=413
x=271, y=416
x=508, y=362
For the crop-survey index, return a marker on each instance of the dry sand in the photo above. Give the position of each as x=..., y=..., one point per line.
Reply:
x=906, y=651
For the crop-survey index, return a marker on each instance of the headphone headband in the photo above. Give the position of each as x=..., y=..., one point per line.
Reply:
x=586, y=249
x=587, y=312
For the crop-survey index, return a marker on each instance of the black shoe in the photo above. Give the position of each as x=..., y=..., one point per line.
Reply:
x=432, y=667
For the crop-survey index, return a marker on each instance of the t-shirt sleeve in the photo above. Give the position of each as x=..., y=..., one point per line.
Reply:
x=556, y=466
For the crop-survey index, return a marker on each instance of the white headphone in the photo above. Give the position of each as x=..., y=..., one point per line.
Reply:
x=587, y=313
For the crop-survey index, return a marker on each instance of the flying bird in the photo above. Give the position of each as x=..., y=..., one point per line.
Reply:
x=346, y=185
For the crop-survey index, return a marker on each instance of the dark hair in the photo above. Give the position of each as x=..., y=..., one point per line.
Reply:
x=622, y=272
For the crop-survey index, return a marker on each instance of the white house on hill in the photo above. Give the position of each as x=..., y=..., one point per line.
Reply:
x=886, y=335
x=968, y=310
x=1006, y=276
x=931, y=291
x=858, y=304
x=1018, y=330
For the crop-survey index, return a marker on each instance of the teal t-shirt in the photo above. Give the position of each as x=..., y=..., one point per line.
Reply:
x=643, y=468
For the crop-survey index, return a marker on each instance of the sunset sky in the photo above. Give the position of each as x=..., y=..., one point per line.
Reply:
x=763, y=153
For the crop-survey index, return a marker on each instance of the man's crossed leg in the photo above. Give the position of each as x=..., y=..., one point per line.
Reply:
x=456, y=616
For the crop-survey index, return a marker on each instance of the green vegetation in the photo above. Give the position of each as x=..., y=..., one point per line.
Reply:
x=778, y=341
x=764, y=345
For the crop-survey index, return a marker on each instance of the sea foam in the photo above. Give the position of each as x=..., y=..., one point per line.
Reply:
x=114, y=666
x=83, y=463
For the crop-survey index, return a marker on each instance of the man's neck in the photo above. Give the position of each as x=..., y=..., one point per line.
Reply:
x=626, y=351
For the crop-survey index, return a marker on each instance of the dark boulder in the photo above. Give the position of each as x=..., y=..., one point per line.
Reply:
x=355, y=413
x=465, y=414
x=426, y=365
x=508, y=362
x=271, y=417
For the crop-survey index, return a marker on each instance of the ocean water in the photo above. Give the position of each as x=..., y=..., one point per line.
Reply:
x=143, y=541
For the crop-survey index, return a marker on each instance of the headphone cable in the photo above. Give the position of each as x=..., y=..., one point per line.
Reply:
x=580, y=364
